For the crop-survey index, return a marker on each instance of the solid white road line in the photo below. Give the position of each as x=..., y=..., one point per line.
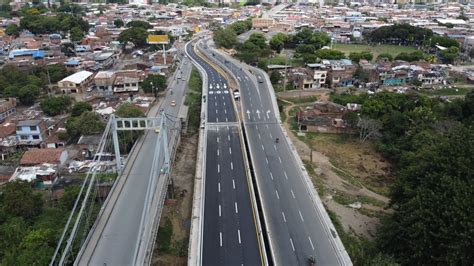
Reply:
x=293, y=194
x=276, y=192
x=238, y=233
x=292, y=246
x=311, y=242
x=301, y=216
x=284, y=218
x=236, y=209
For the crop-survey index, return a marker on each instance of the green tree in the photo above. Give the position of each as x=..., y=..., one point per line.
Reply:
x=444, y=41
x=330, y=54
x=305, y=49
x=56, y=105
x=12, y=30
x=259, y=40
x=139, y=24
x=67, y=200
x=277, y=42
x=386, y=56
x=275, y=77
x=129, y=110
x=137, y=36
x=242, y=26
x=19, y=200
x=449, y=55
x=88, y=123
x=225, y=38
x=357, y=56
x=28, y=94
x=12, y=231
x=119, y=23
x=410, y=57
x=76, y=34
x=152, y=82
x=434, y=204
x=37, y=247
x=79, y=108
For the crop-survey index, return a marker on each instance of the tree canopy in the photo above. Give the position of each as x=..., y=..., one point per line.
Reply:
x=55, y=105
x=225, y=38
x=139, y=24
x=79, y=108
x=135, y=35
x=157, y=82
x=399, y=33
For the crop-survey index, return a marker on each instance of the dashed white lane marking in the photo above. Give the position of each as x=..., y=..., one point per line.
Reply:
x=301, y=216
x=276, y=192
x=238, y=233
x=311, y=242
x=292, y=246
x=293, y=194
x=220, y=211
x=266, y=159
x=220, y=238
x=218, y=168
x=228, y=137
x=217, y=139
x=219, y=186
x=233, y=183
x=284, y=218
x=227, y=120
x=236, y=209
x=230, y=150
x=263, y=148
x=279, y=158
x=217, y=152
x=271, y=175
x=274, y=146
x=286, y=176
x=231, y=166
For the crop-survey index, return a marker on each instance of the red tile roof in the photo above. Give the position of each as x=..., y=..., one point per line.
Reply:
x=40, y=156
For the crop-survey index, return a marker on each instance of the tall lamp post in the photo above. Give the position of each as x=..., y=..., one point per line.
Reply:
x=153, y=89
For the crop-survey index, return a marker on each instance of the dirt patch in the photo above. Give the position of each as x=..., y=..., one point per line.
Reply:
x=345, y=172
x=176, y=216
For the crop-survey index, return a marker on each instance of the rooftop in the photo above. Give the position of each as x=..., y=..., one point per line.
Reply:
x=27, y=123
x=78, y=77
x=40, y=156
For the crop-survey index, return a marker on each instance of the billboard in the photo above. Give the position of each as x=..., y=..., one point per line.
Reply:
x=157, y=39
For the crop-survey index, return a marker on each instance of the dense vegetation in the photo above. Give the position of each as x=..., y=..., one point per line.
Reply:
x=28, y=85
x=30, y=226
x=399, y=33
x=193, y=100
x=431, y=144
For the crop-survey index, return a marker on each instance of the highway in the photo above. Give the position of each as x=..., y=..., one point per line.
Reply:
x=229, y=233
x=296, y=222
x=114, y=239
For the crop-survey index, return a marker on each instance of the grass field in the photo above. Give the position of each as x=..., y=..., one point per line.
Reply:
x=394, y=50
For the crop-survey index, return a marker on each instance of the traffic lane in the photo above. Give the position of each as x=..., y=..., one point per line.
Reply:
x=229, y=230
x=120, y=235
x=277, y=228
x=248, y=230
x=211, y=251
x=301, y=240
x=313, y=238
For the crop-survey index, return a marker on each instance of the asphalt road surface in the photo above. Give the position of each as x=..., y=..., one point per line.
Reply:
x=116, y=236
x=229, y=231
x=294, y=222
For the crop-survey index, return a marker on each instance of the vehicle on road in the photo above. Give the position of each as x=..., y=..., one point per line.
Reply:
x=173, y=103
x=311, y=261
x=277, y=140
x=260, y=79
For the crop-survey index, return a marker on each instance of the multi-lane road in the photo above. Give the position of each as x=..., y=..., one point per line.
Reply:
x=230, y=232
x=114, y=239
x=296, y=225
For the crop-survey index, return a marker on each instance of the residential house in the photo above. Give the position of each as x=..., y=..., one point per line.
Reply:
x=41, y=156
x=88, y=145
x=30, y=132
x=324, y=117
x=7, y=108
x=76, y=83
x=104, y=80
x=319, y=75
x=340, y=73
